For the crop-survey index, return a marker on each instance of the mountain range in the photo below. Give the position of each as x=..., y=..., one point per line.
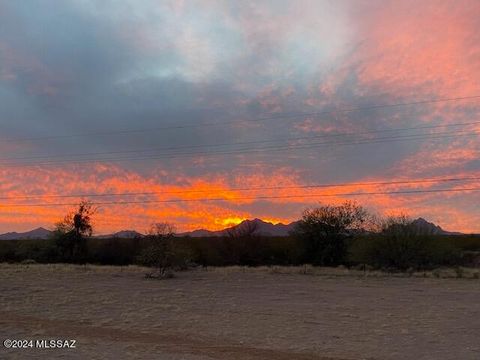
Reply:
x=39, y=233
x=254, y=227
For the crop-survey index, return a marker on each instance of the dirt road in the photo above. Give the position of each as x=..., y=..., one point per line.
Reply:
x=230, y=314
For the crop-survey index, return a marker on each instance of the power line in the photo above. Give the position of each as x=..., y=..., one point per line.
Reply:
x=253, y=150
x=400, y=182
x=245, y=150
x=248, y=142
x=285, y=116
x=181, y=192
x=248, y=198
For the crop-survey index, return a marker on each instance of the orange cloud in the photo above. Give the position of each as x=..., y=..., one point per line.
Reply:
x=424, y=48
x=241, y=198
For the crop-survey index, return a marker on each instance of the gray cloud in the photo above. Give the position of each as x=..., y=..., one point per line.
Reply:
x=86, y=67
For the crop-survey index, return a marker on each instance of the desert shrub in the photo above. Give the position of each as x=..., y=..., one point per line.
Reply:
x=403, y=252
x=42, y=251
x=114, y=251
x=471, y=258
x=401, y=245
x=229, y=251
x=28, y=262
x=283, y=251
x=7, y=251
x=325, y=231
x=182, y=255
x=164, y=253
x=70, y=247
x=464, y=242
x=205, y=251
x=377, y=250
x=459, y=272
x=158, y=256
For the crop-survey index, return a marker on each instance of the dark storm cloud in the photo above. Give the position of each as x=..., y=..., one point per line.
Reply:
x=67, y=72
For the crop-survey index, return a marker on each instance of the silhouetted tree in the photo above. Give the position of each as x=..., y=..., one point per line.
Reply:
x=160, y=253
x=403, y=244
x=324, y=231
x=70, y=234
x=400, y=244
x=241, y=245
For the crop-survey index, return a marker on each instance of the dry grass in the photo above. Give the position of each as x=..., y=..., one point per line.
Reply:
x=341, y=271
x=69, y=268
x=241, y=313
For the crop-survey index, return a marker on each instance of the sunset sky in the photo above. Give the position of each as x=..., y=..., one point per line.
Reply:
x=246, y=102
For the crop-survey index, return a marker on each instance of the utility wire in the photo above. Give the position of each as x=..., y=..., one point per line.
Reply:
x=254, y=150
x=261, y=119
x=181, y=192
x=247, y=142
x=249, y=198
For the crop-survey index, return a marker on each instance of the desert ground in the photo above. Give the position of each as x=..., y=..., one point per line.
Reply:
x=238, y=313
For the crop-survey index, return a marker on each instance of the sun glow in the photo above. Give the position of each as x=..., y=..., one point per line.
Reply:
x=274, y=221
x=229, y=221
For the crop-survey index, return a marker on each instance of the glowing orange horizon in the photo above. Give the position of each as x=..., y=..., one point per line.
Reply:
x=191, y=215
x=400, y=52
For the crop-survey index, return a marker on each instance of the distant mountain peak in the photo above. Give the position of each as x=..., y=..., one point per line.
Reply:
x=428, y=228
x=252, y=226
x=421, y=220
x=122, y=234
x=38, y=233
x=255, y=221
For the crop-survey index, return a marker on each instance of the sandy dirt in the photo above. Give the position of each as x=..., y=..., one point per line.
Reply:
x=116, y=313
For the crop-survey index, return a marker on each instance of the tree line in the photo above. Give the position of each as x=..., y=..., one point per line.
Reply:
x=329, y=235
